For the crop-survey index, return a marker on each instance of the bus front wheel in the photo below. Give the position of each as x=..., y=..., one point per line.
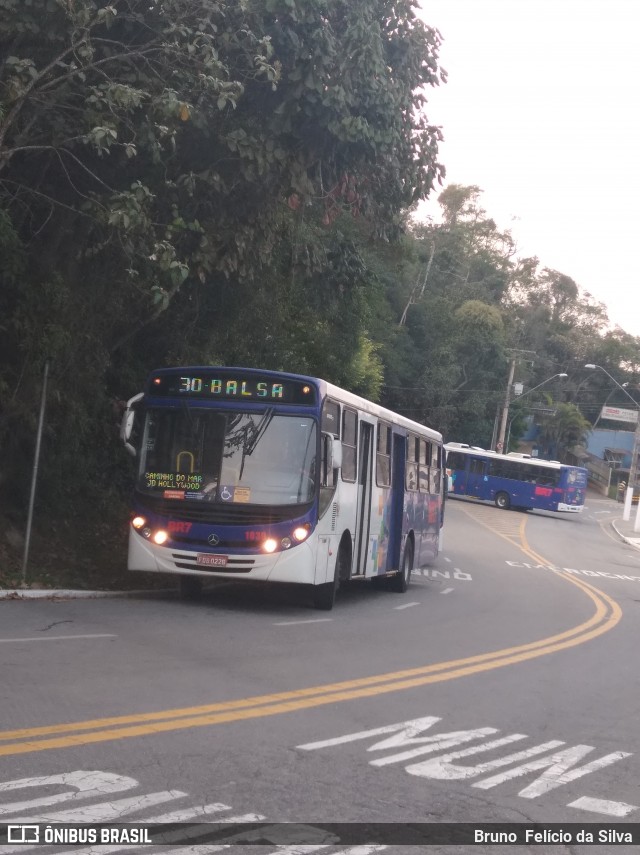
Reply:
x=324, y=596
x=503, y=501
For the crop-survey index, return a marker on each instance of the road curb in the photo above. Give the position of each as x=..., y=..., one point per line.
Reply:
x=632, y=541
x=56, y=594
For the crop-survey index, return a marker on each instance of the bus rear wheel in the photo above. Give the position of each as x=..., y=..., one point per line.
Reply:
x=502, y=501
x=400, y=582
x=190, y=587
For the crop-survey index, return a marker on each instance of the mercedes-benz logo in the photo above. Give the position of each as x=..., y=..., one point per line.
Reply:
x=213, y=540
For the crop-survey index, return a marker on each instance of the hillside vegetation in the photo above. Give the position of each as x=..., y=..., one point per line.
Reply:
x=202, y=182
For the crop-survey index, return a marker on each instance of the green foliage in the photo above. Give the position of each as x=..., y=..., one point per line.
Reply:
x=172, y=182
x=568, y=427
x=208, y=181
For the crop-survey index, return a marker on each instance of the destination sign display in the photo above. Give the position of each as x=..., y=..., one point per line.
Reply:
x=232, y=386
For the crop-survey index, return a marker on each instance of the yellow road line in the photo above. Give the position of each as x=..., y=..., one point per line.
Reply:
x=606, y=615
x=598, y=617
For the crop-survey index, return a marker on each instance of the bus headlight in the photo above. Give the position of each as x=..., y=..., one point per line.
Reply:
x=285, y=543
x=270, y=544
x=160, y=537
x=138, y=522
x=301, y=533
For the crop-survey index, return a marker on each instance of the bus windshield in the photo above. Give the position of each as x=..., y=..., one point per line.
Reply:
x=228, y=457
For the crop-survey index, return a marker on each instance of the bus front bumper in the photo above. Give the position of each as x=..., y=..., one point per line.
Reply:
x=570, y=509
x=293, y=566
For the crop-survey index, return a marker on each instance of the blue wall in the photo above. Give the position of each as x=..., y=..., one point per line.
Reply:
x=600, y=439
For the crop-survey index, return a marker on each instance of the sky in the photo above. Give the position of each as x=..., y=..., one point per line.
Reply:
x=542, y=111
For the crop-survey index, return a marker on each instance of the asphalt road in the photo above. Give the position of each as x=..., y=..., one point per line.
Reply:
x=502, y=687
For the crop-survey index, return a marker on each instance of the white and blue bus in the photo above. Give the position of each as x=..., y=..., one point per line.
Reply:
x=262, y=475
x=516, y=481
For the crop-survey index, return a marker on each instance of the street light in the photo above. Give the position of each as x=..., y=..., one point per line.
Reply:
x=500, y=445
x=633, y=470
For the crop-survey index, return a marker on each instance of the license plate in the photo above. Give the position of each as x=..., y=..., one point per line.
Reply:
x=212, y=560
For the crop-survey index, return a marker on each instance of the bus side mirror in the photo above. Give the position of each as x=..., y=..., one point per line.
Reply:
x=335, y=453
x=331, y=458
x=128, y=421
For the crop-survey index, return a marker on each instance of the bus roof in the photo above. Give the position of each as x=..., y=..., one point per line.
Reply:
x=344, y=397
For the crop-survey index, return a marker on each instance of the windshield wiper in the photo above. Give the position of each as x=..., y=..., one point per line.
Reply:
x=249, y=446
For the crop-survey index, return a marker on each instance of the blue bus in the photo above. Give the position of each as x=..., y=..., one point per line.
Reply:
x=263, y=475
x=516, y=481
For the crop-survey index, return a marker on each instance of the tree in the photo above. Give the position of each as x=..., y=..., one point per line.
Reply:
x=560, y=432
x=173, y=177
x=178, y=129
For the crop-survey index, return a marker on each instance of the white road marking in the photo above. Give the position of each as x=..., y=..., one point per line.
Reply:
x=111, y=811
x=406, y=606
x=447, y=559
x=603, y=806
x=458, y=574
x=446, y=591
x=441, y=768
x=186, y=814
x=590, y=573
x=429, y=745
x=406, y=728
x=298, y=622
x=557, y=768
x=56, y=638
x=86, y=785
x=302, y=849
x=557, y=772
x=361, y=850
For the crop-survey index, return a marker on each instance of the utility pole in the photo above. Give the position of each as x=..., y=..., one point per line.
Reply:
x=34, y=475
x=505, y=409
x=515, y=355
x=633, y=479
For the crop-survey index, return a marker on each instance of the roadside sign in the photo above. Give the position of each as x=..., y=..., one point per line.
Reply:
x=619, y=415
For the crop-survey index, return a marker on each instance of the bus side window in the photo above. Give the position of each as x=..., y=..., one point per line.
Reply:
x=328, y=469
x=503, y=469
x=476, y=467
x=349, y=444
x=331, y=417
x=411, y=472
x=328, y=473
x=383, y=456
x=435, y=468
x=424, y=453
x=456, y=461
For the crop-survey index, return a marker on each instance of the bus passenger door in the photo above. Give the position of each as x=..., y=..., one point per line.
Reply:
x=398, y=464
x=475, y=480
x=363, y=512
